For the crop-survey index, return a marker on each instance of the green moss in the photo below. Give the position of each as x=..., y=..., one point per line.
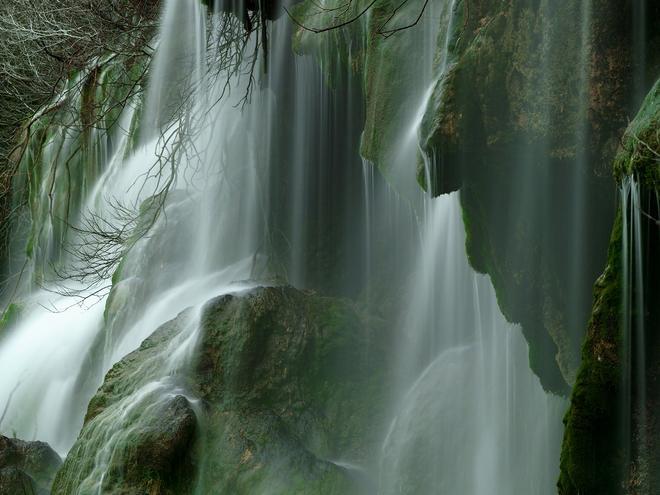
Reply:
x=10, y=316
x=596, y=457
x=590, y=459
x=639, y=152
x=276, y=374
x=64, y=153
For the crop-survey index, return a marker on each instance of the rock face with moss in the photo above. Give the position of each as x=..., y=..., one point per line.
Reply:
x=592, y=440
x=610, y=443
x=529, y=100
x=26, y=467
x=278, y=387
x=391, y=84
x=62, y=152
x=528, y=137
x=638, y=154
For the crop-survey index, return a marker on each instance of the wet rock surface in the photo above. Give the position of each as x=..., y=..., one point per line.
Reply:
x=275, y=374
x=26, y=467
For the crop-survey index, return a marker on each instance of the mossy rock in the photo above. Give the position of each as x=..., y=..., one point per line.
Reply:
x=610, y=446
x=280, y=386
x=639, y=153
x=26, y=467
x=135, y=440
x=527, y=138
x=590, y=462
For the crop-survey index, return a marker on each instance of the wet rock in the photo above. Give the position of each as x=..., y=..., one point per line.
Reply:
x=26, y=467
x=138, y=432
x=277, y=375
x=639, y=152
x=531, y=155
x=156, y=457
x=15, y=481
x=282, y=371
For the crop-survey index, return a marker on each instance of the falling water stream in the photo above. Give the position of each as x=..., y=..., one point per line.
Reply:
x=465, y=408
x=633, y=321
x=471, y=417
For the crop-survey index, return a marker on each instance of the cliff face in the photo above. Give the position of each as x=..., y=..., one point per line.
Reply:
x=524, y=121
x=528, y=101
x=610, y=445
x=62, y=154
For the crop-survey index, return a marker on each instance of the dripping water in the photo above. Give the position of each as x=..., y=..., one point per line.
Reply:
x=633, y=317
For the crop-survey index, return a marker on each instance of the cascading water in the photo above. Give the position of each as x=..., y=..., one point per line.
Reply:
x=467, y=410
x=467, y=422
x=634, y=399
x=163, y=273
x=467, y=415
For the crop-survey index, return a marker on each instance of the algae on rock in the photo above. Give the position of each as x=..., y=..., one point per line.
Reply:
x=277, y=388
x=610, y=446
x=525, y=137
x=639, y=154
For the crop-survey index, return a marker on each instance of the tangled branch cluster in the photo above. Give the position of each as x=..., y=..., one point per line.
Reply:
x=350, y=11
x=98, y=244
x=42, y=42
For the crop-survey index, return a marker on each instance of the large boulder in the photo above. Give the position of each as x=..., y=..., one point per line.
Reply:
x=138, y=432
x=278, y=388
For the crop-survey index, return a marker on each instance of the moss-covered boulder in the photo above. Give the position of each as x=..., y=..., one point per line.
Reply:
x=26, y=467
x=278, y=387
x=294, y=387
x=138, y=432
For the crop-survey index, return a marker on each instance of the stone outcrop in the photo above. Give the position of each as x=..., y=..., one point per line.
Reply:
x=279, y=386
x=26, y=467
x=610, y=443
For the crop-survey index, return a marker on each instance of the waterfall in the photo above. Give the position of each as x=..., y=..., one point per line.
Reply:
x=466, y=410
x=634, y=398
x=466, y=413
x=178, y=265
x=468, y=421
